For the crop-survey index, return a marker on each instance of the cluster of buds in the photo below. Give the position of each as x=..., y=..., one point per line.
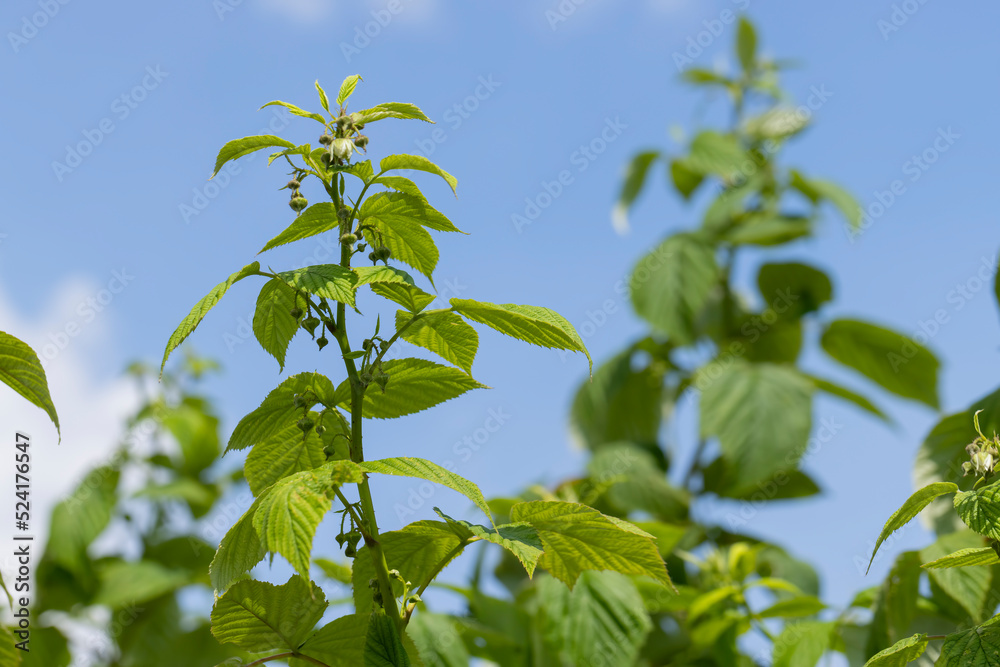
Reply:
x=351, y=539
x=297, y=202
x=984, y=453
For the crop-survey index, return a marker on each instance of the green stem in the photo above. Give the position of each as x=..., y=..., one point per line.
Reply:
x=399, y=332
x=289, y=654
x=370, y=524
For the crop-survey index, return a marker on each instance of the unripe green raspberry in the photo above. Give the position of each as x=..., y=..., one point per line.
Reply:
x=298, y=203
x=348, y=239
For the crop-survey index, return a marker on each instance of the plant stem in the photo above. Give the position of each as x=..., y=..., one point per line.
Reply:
x=370, y=525
x=289, y=654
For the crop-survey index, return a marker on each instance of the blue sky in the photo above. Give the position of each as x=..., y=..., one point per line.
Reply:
x=105, y=246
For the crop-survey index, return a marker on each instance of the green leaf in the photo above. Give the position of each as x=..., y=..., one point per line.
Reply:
x=79, y=519
x=438, y=639
x=420, y=163
x=381, y=274
x=802, y=644
x=135, y=583
x=389, y=209
x=273, y=325
x=414, y=385
x=980, y=509
x=761, y=414
x=777, y=123
x=532, y=324
x=746, y=45
x=767, y=230
x=716, y=153
x=409, y=242
x=965, y=558
x=848, y=395
x=197, y=314
x=671, y=285
x=890, y=359
x=383, y=647
x=304, y=150
x=410, y=297
x=635, y=178
x=340, y=572
x=911, y=508
x=9, y=655
x=419, y=551
x=794, y=288
x=278, y=409
x=323, y=99
x=686, y=179
x=340, y=643
x=901, y=653
x=297, y=111
x=967, y=589
x=636, y=482
x=576, y=538
x=619, y=403
x=237, y=148
x=326, y=280
x=290, y=511
x=316, y=219
x=801, y=605
x=286, y=452
x=21, y=370
x=400, y=184
x=520, y=539
x=940, y=459
x=895, y=605
x=976, y=647
x=258, y=616
x=347, y=88
x=816, y=191
x=445, y=334
x=240, y=550
x=602, y=620
x=407, y=466
x=402, y=110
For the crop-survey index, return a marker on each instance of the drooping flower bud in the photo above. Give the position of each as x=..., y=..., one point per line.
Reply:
x=342, y=148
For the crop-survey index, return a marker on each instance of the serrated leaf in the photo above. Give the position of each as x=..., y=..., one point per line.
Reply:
x=347, y=88
x=340, y=572
x=339, y=643
x=400, y=184
x=578, y=538
x=635, y=178
x=21, y=370
x=419, y=551
x=237, y=148
x=671, y=285
x=520, y=539
x=407, y=466
x=801, y=644
x=402, y=110
x=968, y=587
x=9, y=655
x=978, y=646
x=445, y=334
x=911, y=508
x=890, y=359
x=901, y=653
x=240, y=550
x=414, y=385
x=80, y=518
x=895, y=604
x=381, y=274
x=392, y=208
x=532, y=324
x=762, y=415
x=278, y=408
x=273, y=325
x=286, y=452
x=331, y=281
x=438, y=639
x=291, y=510
x=383, y=647
x=980, y=509
x=258, y=616
x=304, y=149
x=409, y=242
x=420, y=163
x=297, y=111
x=316, y=219
x=197, y=314
x=410, y=297
x=323, y=99
x=965, y=558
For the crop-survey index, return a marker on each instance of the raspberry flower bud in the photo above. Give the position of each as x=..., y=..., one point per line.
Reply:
x=298, y=203
x=342, y=148
x=326, y=139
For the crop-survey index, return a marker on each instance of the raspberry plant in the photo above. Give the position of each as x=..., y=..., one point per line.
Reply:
x=306, y=438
